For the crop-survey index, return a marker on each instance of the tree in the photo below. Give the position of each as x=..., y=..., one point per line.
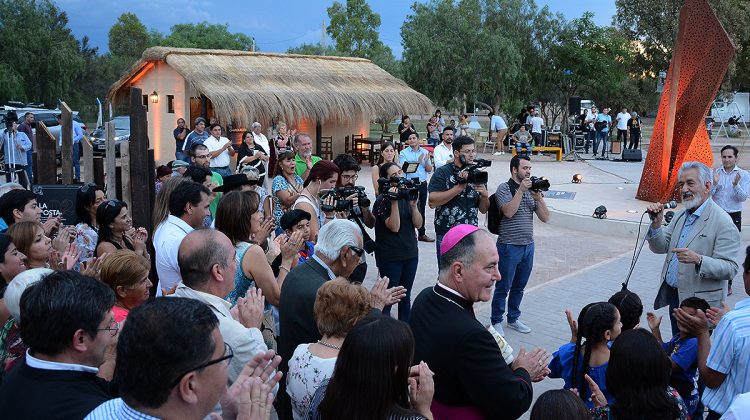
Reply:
x=205, y=35
x=40, y=58
x=313, y=49
x=128, y=37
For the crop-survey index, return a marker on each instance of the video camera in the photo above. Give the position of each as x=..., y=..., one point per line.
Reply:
x=9, y=118
x=407, y=189
x=475, y=175
x=343, y=203
x=539, y=184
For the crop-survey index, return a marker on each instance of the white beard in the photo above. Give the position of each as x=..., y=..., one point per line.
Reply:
x=692, y=203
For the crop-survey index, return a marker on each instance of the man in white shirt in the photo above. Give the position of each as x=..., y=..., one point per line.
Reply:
x=498, y=130
x=622, y=125
x=188, y=206
x=219, y=150
x=443, y=152
x=536, y=123
x=588, y=122
x=208, y=265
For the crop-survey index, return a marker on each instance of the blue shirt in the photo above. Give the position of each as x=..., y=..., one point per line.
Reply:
x=601, y=117
x=684, y=353
x=117, y=409
x=15, y=151
x=77, y=133
x=561, y=366
x=730, y=355
x=409, y=155
x=690, y=219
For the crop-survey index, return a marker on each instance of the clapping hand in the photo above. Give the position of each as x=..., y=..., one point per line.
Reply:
x=421, y=388
x=694, y=325
x=380, y=297
x=50, y=225
x=93, y=267
x=535, y=363
x=573, y=326
x=250, y=396
x=714, y=314
x=597, y=396
x=268, y=226
x=654, y=322
x=249, y=309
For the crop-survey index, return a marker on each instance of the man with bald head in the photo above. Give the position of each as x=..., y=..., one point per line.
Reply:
x=472, y=378
x=208, y=265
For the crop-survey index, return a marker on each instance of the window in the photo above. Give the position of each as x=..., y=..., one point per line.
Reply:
x=170, y=104
x=145, y=101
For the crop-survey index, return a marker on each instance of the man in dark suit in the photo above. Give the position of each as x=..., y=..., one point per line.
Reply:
x=472, y=379
x=337, y=253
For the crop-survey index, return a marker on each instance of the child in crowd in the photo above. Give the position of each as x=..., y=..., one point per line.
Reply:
x=630, y=307
x=299, y=220
x=598, y=323
x=683, y=350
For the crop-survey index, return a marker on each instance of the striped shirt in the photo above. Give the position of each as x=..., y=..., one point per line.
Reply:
x=519, y=229
x=730, y=355
x=726, y=194
x=117, y=409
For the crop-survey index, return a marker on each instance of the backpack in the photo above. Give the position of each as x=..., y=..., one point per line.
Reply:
x=494, y=215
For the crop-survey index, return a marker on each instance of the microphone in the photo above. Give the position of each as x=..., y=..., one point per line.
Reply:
x=670, y=205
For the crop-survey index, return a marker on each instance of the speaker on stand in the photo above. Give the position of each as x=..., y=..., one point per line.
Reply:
x=574, y=105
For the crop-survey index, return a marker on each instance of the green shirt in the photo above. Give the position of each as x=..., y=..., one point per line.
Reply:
x=218, y=181
x=301, y=166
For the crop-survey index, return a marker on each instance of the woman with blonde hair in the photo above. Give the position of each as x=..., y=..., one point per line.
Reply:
x=126, y=273
x=31, y=241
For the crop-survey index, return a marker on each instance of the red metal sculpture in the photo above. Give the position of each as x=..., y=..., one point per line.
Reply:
x=701, y=57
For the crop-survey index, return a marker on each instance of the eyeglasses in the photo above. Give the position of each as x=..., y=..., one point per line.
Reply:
x=201, y=156
x=350, y=177
x=88, y=187
x=357, y=250
x=113, y=327
x=228, y=354
x=468, y=152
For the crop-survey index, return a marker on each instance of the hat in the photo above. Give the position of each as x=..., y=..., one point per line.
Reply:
x=234, y=181
x=454, y=236
x=163, y=171
x=292, y=217
x=179, y=164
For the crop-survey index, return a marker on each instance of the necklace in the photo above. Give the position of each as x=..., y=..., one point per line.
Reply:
x=329, y=345
x=448, y=299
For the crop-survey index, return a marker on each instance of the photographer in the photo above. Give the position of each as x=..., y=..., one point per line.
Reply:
x=454, y=199
x=518, y=200
x=420, y=156
x=396, y=253
x=348, y=174
x=15, y=145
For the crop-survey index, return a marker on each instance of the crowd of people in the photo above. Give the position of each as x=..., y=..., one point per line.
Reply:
x=258, y=273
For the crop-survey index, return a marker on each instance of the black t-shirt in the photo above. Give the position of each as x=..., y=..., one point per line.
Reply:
x=392, y=246
x=634, y=124
x=176, y=133
x=404, y=137
x=463, y=208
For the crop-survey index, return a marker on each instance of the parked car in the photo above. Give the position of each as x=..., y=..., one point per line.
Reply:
x=49, y=118
x=122, y=133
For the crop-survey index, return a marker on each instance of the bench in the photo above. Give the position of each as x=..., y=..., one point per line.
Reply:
x=557, y=150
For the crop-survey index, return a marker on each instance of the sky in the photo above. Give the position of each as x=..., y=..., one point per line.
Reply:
x=276, y=25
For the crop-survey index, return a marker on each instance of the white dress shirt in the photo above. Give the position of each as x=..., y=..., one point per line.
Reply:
x=622, y=120
x=213, y=144
x=167, y=239
x=32, y=361
x=245, y=342
x=726, y=195
x=442, y=154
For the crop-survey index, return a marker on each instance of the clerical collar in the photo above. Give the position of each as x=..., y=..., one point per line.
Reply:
x=450, y=290
x=453, y=296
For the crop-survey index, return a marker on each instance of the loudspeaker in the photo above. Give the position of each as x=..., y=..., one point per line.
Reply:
x=574, y=105
x=632, y=155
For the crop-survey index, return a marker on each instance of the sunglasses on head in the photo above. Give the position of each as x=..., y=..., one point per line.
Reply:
x=113, y=202
x=88, y=187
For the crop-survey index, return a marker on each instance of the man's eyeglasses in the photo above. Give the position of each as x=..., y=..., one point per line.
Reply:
x=357, y=250
x=468, y=152
x=113, y=327
x=228, y=354
x=349, y=177
x=201, y=156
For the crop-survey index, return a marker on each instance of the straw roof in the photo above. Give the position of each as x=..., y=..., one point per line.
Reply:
x=247, y=86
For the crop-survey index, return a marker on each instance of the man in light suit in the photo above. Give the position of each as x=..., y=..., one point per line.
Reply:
x=701, y=244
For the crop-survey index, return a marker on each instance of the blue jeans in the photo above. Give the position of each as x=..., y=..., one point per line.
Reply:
x=516, y=262
x=601, y=136
x=590, y=137
x=77, y=160
x=438, y=240
x=181, y=156
x=528, y=148
x=29, y=158
x=400, y=273
x=421, y=205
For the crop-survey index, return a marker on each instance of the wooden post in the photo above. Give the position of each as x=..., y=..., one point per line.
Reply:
x=99, y=171
x=126, y=175
x=46, y=167
x=151, y=191
x=88, y=160
x=139, y=179
x=66, y=151
x=110, y=164
x=318, y=138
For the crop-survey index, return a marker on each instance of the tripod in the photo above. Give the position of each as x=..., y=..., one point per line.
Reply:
x=570, y=144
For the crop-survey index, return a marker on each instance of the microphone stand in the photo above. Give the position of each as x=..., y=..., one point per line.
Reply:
x=636, y=254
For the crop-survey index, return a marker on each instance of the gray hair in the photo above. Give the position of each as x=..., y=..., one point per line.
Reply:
x=255, y=124
x=8, y=186
x=463, y=251
x=16, y=287
x=335, y=235
x=299, y=136
x=704, y=172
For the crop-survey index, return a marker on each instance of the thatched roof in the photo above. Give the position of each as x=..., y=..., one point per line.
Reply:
x=247, y=86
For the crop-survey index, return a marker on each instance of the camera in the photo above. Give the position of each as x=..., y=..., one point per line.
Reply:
x=343, y=203
x=475, y=175
x=9, y=118
x=539, y=184
x=407, y=189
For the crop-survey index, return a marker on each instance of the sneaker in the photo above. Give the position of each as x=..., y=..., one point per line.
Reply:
x=498, y=153
x=519, y=326
x=499, y=328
